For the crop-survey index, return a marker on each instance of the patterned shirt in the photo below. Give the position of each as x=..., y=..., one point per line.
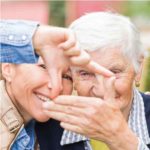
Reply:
x=137, y=121
x=26, y=138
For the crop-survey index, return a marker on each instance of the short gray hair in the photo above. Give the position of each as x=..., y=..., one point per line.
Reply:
x=103, y=30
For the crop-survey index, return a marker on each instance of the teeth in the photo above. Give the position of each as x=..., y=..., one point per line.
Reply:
x=43, y=98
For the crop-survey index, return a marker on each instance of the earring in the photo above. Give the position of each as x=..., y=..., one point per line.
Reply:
x=137, y=83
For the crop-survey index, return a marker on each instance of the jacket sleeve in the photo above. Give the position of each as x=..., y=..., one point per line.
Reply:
x=16, y=41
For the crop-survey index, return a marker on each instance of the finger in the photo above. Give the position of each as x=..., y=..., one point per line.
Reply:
x=82, y=60
x=71, y=127
x=51, y=106
x=72, y=52
x=62, y=117
x=110, y=93
x=96, y=68
x=76, y=101
x=70, y=40
x=55, y=83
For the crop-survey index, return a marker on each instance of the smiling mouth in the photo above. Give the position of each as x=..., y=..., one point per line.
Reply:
x=43, y=98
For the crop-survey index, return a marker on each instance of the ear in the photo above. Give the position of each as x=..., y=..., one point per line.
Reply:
x=8, y=71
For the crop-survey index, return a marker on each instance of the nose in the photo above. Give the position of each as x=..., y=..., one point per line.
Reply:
x=98, y=87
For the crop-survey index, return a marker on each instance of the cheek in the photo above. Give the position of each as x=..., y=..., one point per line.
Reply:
x=67, y=88
x=82, y=87
x=123, y=87
x=20, y=89
x=24, y=84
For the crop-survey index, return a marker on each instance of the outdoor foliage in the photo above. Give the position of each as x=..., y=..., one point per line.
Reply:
x=57, y=13
x=138, y=8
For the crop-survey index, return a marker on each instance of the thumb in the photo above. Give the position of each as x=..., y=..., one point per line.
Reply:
x=70, y=40
x=55, y=83
x=110, y=93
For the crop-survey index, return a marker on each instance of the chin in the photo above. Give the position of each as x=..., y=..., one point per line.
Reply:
x=42, y=118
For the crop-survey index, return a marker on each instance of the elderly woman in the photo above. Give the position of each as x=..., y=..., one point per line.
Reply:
x=111, y=109
x=23, y=90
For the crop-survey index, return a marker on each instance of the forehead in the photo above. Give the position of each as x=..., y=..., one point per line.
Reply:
x=26, y=67
x=107, y=57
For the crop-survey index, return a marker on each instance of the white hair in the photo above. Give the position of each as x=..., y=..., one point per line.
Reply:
x=104, y=30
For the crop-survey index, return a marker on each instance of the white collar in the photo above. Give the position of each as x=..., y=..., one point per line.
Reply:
x=137, y=120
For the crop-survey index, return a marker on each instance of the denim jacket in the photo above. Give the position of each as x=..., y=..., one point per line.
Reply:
x=26, y=138
x=16, y=41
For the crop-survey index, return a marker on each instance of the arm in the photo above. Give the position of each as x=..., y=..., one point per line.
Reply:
x=23, y=41
x=16, y=41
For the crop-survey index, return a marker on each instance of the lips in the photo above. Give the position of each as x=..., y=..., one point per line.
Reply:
x=43, y=98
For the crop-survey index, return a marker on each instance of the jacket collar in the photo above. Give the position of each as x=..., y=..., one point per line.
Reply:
x=9, y=114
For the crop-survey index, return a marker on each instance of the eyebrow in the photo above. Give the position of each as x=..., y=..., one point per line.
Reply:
x=80, y=69
x=108, y=66
x=112, y=65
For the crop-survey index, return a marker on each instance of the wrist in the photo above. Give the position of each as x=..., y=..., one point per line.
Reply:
x=36, y=40
x=125, y=140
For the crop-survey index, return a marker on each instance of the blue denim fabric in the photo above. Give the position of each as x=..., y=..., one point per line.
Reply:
x=26, y=138
x=16, y=41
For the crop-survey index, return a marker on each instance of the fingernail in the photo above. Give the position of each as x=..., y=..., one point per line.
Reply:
x=46, y=105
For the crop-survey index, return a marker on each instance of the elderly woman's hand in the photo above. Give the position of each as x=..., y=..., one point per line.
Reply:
x=96, y=118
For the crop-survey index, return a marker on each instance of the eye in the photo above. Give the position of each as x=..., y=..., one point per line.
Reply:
x=67, y=77
x=43, y=66
x=85, y=75
x=116, y=71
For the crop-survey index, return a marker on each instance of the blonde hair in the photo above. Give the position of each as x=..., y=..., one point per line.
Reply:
x=1, y=76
